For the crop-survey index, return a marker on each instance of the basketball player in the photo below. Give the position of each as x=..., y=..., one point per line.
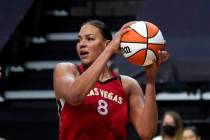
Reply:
x=95, y=103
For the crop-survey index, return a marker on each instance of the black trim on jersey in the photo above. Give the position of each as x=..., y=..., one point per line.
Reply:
x=106, y=81
x=59, y=106
x=120, y=79
x=116, y=76
x=101, y=82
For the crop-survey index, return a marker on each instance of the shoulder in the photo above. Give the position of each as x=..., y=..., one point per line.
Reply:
x=127, y=78
x=64, y=73
x=65, y=67
x=129, y=83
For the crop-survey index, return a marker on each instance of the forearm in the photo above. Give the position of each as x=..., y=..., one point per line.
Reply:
x=85, y=82
x=150, y=115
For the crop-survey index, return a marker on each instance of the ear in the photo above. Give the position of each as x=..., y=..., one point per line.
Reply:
x=107, y=42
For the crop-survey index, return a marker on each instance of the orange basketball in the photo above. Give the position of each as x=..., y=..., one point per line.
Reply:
x=140, y=45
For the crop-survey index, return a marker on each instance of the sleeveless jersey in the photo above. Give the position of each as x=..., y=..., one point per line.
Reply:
x=102, y=115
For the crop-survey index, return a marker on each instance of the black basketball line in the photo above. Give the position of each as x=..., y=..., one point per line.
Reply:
x=134, y=42
x=156, y=44
x=136, y=52
x=138, y=33
x=154, y=53
x=147, y=42
x=155, y=34
x=147, y=48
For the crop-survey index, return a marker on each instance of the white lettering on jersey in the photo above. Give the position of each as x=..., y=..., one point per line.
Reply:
x=105, y=94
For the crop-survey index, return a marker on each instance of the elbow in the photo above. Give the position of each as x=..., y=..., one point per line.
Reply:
x=74, y=100
x=74, y=97
x=147, y=134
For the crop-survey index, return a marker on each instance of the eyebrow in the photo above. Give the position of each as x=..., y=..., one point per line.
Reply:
x=85, y=35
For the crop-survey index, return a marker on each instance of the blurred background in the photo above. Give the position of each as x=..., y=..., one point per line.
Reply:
x=35, y=35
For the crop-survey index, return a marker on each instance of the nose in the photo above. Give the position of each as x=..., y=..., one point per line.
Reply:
x=82, y=43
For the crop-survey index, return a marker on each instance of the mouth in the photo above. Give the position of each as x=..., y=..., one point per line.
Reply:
x=83, y=53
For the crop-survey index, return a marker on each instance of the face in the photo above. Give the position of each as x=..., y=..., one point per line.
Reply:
x=189, y=135
x=90, y=44
x=168, y=119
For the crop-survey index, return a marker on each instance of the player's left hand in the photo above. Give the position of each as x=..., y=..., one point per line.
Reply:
x=152, y=69
x=163, y=56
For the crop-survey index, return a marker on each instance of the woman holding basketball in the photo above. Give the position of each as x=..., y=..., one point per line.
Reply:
x=96, y=102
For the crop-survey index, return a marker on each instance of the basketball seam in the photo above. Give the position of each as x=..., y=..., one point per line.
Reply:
x=154, y=53
x=135, y=53
x=155, y=34
x=153, y=40
x=134, y=42
x=146, y=44
x=155, y=44
x=138, y=33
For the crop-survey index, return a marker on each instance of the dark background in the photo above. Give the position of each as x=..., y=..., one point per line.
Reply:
x=36, y=35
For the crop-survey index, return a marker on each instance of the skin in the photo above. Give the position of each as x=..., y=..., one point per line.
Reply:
x=168, y=119
x=189, y=135
x=95, y=51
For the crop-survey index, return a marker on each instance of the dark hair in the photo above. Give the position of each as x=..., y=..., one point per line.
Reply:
x=105, y=31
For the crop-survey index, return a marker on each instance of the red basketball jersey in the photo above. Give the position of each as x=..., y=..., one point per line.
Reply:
x=102, y=115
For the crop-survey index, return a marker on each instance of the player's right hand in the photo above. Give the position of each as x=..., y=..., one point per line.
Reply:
x=115, y=43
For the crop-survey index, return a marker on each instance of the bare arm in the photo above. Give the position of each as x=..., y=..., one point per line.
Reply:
x=143, y=109
x=71, y=86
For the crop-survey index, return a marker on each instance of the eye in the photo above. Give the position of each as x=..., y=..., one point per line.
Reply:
x=90, y=38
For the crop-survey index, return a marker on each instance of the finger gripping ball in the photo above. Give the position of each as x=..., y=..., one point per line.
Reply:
x=141, y=44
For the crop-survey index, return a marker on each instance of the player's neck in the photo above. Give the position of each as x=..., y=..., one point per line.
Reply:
x=105, y=75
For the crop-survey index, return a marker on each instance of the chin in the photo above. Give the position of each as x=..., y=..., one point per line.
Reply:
x=85, y=62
